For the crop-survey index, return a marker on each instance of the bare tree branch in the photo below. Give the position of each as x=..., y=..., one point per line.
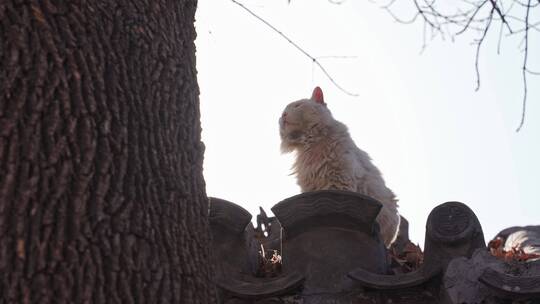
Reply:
x=503, y=20
x=524, y=69
x=426, y=19
x=397, y=19
x=389, y=4
x=533, y=26
x=478, y=49
x=500, y=39
x=473, y=16
x=313, y=59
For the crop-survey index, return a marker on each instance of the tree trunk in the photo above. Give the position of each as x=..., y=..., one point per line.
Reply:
x=102, y=196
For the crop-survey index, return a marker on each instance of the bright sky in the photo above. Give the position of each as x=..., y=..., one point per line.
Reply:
x=418, y=116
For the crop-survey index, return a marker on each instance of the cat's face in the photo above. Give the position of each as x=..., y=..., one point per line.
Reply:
x=301, y=121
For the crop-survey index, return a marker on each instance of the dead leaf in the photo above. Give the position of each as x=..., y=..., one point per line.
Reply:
x=408, y=259
x=495, y=246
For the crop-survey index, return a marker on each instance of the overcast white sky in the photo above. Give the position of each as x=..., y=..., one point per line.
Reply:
x=418, y=116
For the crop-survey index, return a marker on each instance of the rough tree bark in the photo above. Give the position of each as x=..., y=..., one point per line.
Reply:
x=101, y=191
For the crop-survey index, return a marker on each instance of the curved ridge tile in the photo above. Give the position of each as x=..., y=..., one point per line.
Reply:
x=398, y=281
x=452, y=230
x=360, y=210
x=451, y=222
x=251, y=287
x=228, y=215
x=509, y=284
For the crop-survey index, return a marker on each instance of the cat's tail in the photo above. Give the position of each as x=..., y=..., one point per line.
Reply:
x=389, y=221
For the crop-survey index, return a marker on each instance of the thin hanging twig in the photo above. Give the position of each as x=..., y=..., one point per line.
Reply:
x=524, y=68
x=478, y=46
x=313, y=59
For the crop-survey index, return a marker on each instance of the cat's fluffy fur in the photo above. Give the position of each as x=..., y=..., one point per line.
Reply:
x=327, y=158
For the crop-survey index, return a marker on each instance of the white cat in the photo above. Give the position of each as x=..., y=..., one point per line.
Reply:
x=327, y=158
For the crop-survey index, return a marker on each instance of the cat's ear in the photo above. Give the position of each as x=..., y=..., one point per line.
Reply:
x=317, y=96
